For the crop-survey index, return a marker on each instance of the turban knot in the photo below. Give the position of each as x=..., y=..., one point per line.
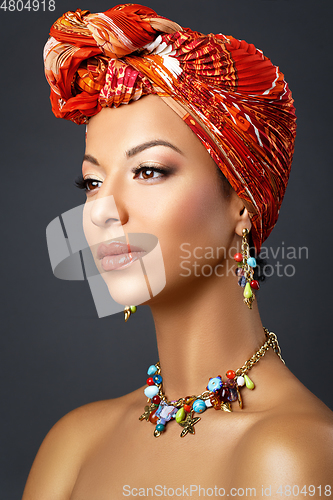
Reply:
x=231, y=95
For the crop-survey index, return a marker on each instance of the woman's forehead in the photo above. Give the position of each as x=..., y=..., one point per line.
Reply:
x=148, y=119
x=149, y=110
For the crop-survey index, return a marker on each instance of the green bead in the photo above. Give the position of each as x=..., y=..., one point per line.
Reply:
x=248, y=382
x=133, y=309
x=247, y=291
x=180, y=415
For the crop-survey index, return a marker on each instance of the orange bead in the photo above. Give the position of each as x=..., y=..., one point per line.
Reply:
x=231, y=374
x=187, y=408
x=153, y=418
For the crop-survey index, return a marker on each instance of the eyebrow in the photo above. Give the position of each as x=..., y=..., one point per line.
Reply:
x=91, y=159
x=137, y=149
x=151, y=144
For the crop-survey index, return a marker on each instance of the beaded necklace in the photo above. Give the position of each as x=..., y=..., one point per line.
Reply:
x=218, y=394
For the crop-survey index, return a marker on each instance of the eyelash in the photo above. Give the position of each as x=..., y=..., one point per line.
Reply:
x=82, y=183
x=142, y=168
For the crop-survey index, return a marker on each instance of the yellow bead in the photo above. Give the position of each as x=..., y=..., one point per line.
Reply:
x=247, y=291
x=180, y=415
x=248, y=382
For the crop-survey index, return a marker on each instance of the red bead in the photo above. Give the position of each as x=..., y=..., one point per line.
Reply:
x=231, y=374
x=255, y=285
x=187, y=408
x=153, y=418
x=150, y=381
x=238, y=257
x=156, y=400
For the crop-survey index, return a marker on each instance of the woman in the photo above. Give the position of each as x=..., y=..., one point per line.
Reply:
x=146, y=172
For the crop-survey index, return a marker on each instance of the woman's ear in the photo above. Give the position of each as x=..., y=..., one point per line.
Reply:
x=243, y=221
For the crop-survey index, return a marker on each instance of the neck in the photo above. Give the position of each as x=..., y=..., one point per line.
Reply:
x=204, y=334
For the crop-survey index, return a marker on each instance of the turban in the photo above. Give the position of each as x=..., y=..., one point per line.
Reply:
x=231, y=95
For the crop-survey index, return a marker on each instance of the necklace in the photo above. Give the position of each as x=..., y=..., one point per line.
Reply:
x=218, y=394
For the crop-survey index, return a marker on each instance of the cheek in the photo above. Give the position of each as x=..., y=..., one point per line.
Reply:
x=86, y=222
x=198, y=214
x=195, y=213
x=91, y=234
x=87, y=227
x=91, y=231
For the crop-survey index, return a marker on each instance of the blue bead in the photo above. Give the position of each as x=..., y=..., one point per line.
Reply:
x=242, y=281
x=157, y=379
x=252, y=262
x=160, y=427
x=199, y=406
x=151, y=391
x=152, y=370
x=214, y=384
x=162, y=421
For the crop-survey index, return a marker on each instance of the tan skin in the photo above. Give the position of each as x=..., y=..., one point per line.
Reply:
x=283, y=435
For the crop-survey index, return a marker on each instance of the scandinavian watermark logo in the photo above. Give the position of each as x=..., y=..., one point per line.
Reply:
x=206, y=261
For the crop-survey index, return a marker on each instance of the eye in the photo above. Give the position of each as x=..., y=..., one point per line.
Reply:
x=148, y=172
x=91, y=184
x=87, y=184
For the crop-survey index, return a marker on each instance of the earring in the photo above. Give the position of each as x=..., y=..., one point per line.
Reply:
x=245, y=270
x=128, y=310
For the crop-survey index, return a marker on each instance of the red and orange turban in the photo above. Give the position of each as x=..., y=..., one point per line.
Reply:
x=233, y=98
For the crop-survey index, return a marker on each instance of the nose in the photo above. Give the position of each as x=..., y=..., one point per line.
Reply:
x=105, y=213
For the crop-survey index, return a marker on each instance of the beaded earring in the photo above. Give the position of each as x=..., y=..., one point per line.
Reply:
x=245, y=270
x=128, y=310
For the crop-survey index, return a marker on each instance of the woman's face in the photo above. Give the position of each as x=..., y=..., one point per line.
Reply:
x=148, y=174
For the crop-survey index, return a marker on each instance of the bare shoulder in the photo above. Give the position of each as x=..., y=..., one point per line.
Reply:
x=291, y=446
x=59, y=458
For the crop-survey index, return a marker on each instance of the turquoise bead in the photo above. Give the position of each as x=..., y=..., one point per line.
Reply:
x=199, y=406
x=160, y=427
x=157, y=379
x=252, y=262
x=151, y=391
x=214, y=384
x=152, y=370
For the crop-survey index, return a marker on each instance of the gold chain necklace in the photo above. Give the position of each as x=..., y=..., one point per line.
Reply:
x=218, y=394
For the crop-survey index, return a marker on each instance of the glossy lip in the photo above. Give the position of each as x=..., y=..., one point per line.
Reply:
x=118, y=255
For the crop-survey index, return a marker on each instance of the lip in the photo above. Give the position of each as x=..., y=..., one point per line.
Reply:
x=118, y=255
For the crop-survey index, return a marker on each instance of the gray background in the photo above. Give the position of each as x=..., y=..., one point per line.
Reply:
x=56, y=354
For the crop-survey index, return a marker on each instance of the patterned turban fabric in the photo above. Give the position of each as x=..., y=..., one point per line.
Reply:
x=232, y=97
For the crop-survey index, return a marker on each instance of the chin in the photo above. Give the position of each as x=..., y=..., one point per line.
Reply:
x=139, y=282
x=127, y=286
